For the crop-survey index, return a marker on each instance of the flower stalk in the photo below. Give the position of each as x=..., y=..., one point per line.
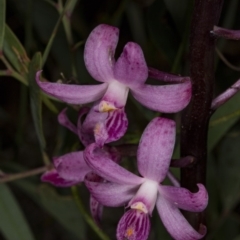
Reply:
x=196, y=116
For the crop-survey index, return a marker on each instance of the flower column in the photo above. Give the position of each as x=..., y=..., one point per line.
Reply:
x=196, y=117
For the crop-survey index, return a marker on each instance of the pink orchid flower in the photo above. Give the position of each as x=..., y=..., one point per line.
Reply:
x=141, y=194
x=128, y=73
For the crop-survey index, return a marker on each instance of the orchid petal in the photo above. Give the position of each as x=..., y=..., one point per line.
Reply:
x=72, y=166
x=96, y=209
x=110, y=194
x=86, y=130
x=146, y=196
x=53, y=177
x=85, y=133
x=115, y=97
x=175, y=223
x=102, y=127
x=167, y=98
x=99, y=52
x=156, y=148
x=64, y=121
x=71, y=93
x=134, y=225
x=114, y=154
x=102, y=165
x=131, y=68
x=112, y=128
x=184, y=199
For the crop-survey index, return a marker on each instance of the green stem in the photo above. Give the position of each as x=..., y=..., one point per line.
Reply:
x=6, y=63
x=9, y=73
x=68, y=31
x=86, y=216
x=224, y=118
x=77, y=45
x=53, y=35
x=19, y=77
x=13, y=177
x=66, y=19
x=47, y=101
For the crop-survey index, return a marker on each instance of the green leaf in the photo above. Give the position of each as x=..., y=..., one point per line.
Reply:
x=66, y=19
x=54, y=33
x=2, y=21
x=14, y=51
x=228, y=169
x=64, y=210
x=44, y=28
x=13, y=224
x=35, y=98
x=222, y=120
x=49, y=104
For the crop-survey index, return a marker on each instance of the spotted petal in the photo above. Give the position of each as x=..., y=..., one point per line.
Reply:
x=99, y=52
x=64, y=121
x=156, y=148
x=93, y=120
x=53, y=177
x=167, y=98
x=131, y=68
x=85, y=129
x=96, y=209
x=72, y=166
x=105, y=167
x=110, y=194
x=71, y=93
x=175, y=223
x=184, y=199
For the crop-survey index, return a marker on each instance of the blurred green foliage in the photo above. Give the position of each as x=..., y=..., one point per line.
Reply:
x=29, y=132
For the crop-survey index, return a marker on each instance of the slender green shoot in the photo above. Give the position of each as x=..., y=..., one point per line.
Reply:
x=86, y=216
x=53, y=35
